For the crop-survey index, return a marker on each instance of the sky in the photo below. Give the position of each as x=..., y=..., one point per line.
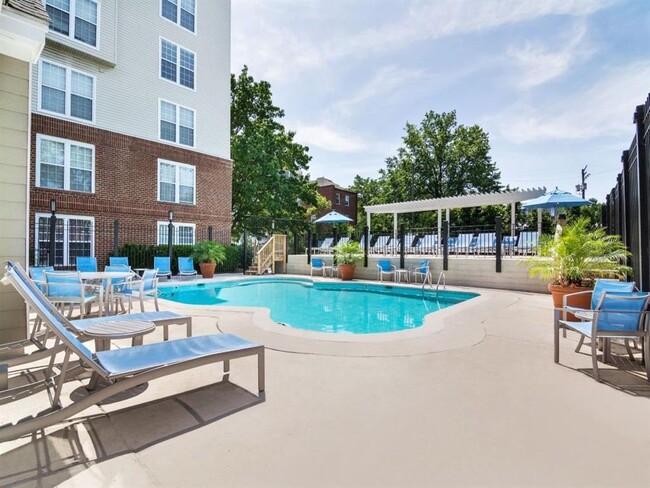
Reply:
x=553, y=82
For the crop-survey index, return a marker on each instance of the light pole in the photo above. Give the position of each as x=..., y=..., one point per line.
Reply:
x=52, y=256
x=170, y=233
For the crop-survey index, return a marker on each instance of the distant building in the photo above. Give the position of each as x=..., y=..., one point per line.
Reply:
x=130, y=120
x=343, y=200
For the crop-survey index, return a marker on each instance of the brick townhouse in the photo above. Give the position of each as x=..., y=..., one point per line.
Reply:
x=343, y=200
x=130, y=120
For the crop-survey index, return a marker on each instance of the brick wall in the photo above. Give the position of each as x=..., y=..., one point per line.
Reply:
x=126, y=179
x=330, y=192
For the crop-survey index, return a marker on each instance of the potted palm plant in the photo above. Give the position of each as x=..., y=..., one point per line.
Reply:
x=347, y=257
x=573, y=260
x=208, y=254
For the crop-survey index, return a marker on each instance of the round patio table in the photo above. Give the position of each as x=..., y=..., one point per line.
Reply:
x=109, y=276
x=105, y=332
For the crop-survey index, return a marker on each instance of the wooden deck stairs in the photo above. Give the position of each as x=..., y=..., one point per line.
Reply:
x=272, y=252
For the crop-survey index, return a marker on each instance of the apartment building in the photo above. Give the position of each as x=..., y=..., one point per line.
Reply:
x=130, y=121
x=343, y=200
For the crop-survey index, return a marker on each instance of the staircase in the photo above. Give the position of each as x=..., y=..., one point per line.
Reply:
x=273, y=251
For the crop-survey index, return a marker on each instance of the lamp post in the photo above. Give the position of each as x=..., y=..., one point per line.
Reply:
x=52, y=256
x=170, y=233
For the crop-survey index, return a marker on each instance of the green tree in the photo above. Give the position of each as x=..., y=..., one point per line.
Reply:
x=371, y=192
x=270, y=180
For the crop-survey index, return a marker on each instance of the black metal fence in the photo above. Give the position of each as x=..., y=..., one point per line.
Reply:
x=627, y=205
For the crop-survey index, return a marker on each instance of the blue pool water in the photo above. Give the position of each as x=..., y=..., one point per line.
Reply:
x=335, y=307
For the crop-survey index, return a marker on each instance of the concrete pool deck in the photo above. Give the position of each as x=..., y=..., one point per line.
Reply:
x=482, y=404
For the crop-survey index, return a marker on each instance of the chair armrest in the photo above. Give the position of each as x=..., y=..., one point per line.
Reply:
x=565, y=298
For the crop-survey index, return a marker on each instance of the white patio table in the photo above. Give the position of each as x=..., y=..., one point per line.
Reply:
x=109, y=276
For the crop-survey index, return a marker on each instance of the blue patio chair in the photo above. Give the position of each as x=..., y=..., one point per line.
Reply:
x=118, y=288
x=385, y=268
x=86, y=264
x=317, y=264
x=421, y=270
x=483, y=243
x=527, y=242
x=186, y=267
x=163, y=266
x=119, y=261
x=452, y=244
x=509, y=244
x=144, y=287
x=617, y=315
x=37, y=274
x=67, y=289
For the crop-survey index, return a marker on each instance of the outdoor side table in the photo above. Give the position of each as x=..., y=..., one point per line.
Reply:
x=104, y=332
x=401, y=272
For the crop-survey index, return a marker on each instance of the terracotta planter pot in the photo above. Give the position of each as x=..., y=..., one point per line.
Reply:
x=582, y=301
x=346, y=271
x=207, y=269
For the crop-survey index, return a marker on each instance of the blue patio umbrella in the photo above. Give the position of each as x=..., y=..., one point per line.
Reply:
x=333, y=217
x=555, y=199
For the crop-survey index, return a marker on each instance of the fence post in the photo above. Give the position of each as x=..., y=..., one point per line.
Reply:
x=116, y=237
x=309, y=246
x=365, y=246
x=209, y=232
x=244, y=262
x=170, y=239
x=295, y=242
x=499, y=231
x=401, y=247
x=52, y=256
x=445, y=248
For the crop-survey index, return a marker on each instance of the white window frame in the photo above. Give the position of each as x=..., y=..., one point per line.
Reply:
x=68, y=92
x=178, y=106
x=346, y=200
x=71, y=27
x=66, y=239
x=178, y=16
x=178, y=63
x=178, y=181
x=165, y=223
x=66, y=162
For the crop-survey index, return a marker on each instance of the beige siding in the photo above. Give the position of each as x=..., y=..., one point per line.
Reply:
x=127, y=95
x=14, y=106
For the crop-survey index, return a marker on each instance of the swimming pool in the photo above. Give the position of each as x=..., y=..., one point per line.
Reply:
x=335, y=307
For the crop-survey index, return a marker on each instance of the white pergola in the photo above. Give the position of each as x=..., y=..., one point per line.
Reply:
x=446, y=204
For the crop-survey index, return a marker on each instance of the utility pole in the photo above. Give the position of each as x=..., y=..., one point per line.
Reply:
x=584, y=175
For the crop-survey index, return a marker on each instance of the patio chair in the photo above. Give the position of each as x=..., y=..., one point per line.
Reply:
x=342, y=242
x=118, y=286
x=86, y=263
x=428, y=244
x=317, y=264
x=484, y=243
x=527, y=243
x=163, y=266
x=509, y=244
x=325, y=246
x=121, y=368
x=380, y=245
x=141, y=288
x=452, y=245
x=617, y=315
x=186, y=267
x=37, y=273
x=421, y=270
x=67, y=289
x=118, y=261
x=385, y=268
x=463, y=243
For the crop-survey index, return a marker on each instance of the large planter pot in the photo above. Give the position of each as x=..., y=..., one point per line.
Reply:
x=346, y=271
x=207, y=269
x=581, y=301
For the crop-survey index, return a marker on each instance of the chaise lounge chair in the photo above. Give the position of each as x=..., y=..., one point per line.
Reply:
x=186, y=267
x=131, y=366
x=163, y=266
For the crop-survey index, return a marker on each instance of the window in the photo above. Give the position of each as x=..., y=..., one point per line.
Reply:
x=176, y=182
x=181, y=12
x=64, y=164
x=73, y=237
x=183, y=233
x=67, y=92
x=338, y=199
x=176, y=124
x=76, y=19
x=347, y=200
x=176, y=64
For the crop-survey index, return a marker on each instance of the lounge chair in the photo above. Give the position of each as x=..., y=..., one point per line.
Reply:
x=617, y=315
x=452, y=245
x=86, y=264
x=484, y=243
x=385, y=268
x=122, y=368
x=527, y=243
x=119, y=261
x=67, y=289
x=186, y=267
x=509, y=245
x=463, y=243
x=421, y=270
x=163, y=266
x=325, y=246
x=317, y=264
x=342, y=242
x=380, y=245
x=428, y=244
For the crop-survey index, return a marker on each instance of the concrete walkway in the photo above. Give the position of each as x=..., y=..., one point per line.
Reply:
x=477, y=402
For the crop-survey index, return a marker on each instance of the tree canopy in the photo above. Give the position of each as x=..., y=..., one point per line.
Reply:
x=270, y=180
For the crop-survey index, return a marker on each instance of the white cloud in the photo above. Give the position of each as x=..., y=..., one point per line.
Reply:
x=602, y=110
x=325, y=137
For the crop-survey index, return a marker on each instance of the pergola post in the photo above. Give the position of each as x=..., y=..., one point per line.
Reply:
x=368, y=220
x=395, y=226
x=539, y=221
x=513, y=218
x=439, y=226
